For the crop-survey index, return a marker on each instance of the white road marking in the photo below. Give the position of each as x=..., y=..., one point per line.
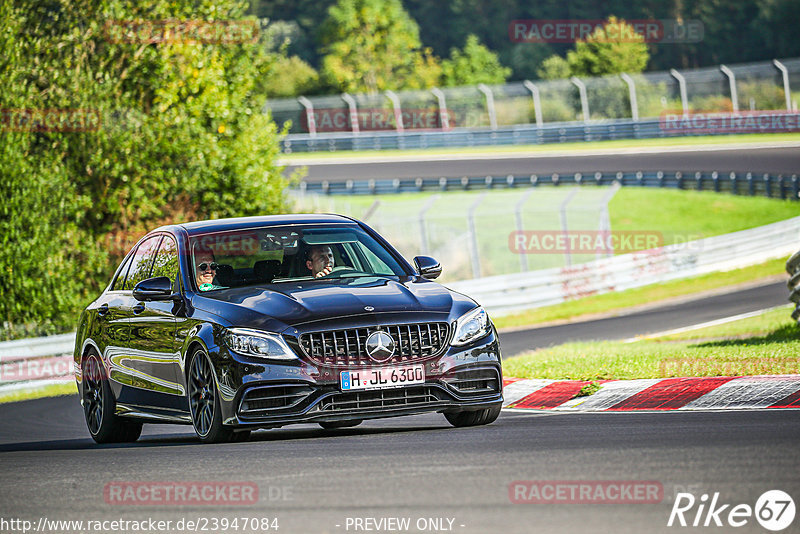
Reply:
x=703, y=325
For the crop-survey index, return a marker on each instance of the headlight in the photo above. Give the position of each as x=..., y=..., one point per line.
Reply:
x=471, y=326
x=255, y=343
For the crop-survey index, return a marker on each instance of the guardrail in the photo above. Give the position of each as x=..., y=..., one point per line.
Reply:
x=33, y=362
x=523, y=134
x=513, y=292
x=793, y=268
x=747, y=183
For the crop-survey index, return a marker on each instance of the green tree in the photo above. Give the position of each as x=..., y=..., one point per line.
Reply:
x=288, y=75
x=175, y=132
x=373, y=45
x=473, y=65
x=612, y=49
x=554, y=68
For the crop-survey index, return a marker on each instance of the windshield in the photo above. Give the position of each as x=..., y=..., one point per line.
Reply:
x=288, y=253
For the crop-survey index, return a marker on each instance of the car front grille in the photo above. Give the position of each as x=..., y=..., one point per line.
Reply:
x=475, y=381
x=382, y=398
x=256, y=401
x=413, y=342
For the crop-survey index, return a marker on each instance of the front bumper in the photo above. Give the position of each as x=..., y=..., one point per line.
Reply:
x=255, y=394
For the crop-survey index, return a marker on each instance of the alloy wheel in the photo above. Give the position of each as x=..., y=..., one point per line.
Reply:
x=201, y=393
x=93, y=395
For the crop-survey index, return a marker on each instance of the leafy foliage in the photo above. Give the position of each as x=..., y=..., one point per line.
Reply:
x=373, y=45
x=554, y=68
x=473, y=65
x=179, y=135
x=612, y=49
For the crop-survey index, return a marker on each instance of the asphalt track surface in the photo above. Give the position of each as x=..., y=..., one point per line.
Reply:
x=658, y=319
x=417, y=467
x=774, y=160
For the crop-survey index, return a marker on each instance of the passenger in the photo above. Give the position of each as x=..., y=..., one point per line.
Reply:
x=320, y=260
x=205, y=269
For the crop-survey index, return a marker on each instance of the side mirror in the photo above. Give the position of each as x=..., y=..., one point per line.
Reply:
x=158, y=288
x=428, y=267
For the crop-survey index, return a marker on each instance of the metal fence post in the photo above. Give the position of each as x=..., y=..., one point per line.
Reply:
x=564, y=227
x=309, y=107
x=537, y=101
x=682, y=86
x=423, y=235
x=732, y=82
x=584, y=99
x=785, y=75
x=523, y=258
x=632, y=93
x=605, y=218
x=371, y=210
x=444, y=120
x=473, y=236
x=483, y=88
x=398, y=110
x=351, y=104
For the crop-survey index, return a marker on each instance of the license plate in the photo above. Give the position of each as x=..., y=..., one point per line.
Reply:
x=384, y=377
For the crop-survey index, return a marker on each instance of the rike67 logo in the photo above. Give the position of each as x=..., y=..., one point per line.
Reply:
x=774, y=510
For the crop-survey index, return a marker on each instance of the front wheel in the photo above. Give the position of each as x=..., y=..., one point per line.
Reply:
x=474, y=418
x=204, y=404
x=99, y=406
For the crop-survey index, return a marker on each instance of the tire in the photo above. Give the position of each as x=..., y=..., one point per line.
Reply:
x=204, y=405
x=99, y=406
x=474, y=418
x=332, y=425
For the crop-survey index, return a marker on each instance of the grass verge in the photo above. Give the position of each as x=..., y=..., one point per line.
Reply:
x=53, y=390
x=767, y=344
x=578, y=146
x=620, y=300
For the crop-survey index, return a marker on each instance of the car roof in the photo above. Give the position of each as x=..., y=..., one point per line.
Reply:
x=218, y=225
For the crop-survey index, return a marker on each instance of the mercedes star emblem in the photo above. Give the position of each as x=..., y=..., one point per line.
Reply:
x=380, y=346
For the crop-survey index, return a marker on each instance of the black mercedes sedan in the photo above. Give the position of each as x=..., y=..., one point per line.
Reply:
x=238, y=324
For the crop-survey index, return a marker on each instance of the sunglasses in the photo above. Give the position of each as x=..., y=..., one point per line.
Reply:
x=205, y=266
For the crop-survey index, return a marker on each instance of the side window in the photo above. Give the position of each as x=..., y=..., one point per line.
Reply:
x=142, y=262
x=120, y=279
x=166, y=260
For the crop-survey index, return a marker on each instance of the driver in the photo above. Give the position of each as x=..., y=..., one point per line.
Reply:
x=320, y=260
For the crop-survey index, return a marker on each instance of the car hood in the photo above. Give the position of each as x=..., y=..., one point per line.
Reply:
x=295, y=303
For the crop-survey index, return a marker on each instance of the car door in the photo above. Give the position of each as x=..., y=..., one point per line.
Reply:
x=127, y=365
x=152, y=342
x=113, y=314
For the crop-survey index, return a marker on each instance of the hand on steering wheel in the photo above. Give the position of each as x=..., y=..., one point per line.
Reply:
x=324, y=272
